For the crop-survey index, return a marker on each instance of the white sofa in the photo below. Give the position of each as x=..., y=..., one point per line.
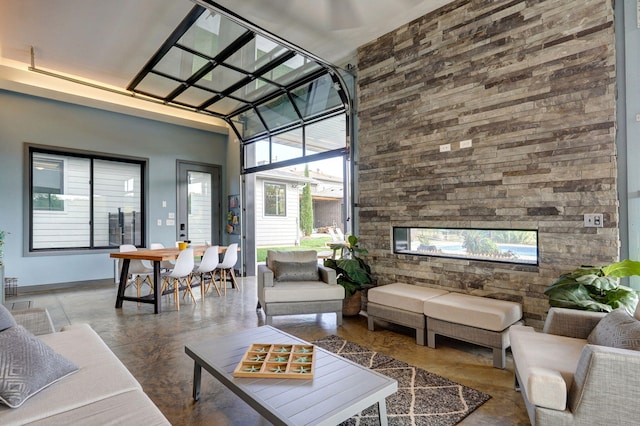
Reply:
x=579, y=370
x=102, y=391
x=293, y=283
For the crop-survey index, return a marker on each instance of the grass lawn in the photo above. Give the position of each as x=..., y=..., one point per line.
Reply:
x=318, y=244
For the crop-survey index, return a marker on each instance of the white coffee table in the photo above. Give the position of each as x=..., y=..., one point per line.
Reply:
x=340, y=388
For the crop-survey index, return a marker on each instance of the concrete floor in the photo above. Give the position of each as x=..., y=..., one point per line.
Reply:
x=152, y=348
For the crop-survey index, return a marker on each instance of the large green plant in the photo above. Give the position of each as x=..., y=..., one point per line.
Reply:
x=596, y=289
x=352, y=270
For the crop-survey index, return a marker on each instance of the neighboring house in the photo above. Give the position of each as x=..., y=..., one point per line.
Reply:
x=277, y=202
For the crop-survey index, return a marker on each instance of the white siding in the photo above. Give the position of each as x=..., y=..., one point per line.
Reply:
x=274, y=231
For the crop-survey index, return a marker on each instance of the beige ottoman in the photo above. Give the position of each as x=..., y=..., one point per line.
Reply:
x=402, y=304
x=474, y=319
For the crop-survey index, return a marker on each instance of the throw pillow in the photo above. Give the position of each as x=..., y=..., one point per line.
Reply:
x=617, y=329
x=27, y=365
x=295, y=271
x=6, y=319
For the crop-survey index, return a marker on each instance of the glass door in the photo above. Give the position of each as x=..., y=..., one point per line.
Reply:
x=198, y=203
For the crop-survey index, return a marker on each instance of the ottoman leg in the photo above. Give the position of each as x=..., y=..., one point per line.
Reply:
x=421, y=334
x=370, y=325
x=499, y=357
x=431, y=339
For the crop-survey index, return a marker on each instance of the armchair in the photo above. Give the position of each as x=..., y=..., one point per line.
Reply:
x=293, y=283
x=582, y=369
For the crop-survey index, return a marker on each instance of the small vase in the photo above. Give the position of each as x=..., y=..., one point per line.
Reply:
x=351, y=305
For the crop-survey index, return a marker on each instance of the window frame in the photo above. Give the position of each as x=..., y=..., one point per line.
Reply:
x=264, y=189
x=29, y=150
x=61, y=187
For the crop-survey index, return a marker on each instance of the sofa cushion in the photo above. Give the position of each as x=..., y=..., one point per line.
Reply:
x=295, y=271
x=28, y=365
x=546, y=364
x=6, y=319
x=290, y=256
x=407, y=297
x=617, y=329
x=302, y=291
x=474, y=311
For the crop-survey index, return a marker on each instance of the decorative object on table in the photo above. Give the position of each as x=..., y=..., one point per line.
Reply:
x=353, y=272
x=233, y=215
x=423, y=398
x=596, y=289
x=277, y=361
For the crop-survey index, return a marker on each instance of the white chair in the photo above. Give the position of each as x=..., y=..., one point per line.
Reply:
x=139, y=273
x=226, y=266
x=208, y=265
x=181, y=273
x=166, y=265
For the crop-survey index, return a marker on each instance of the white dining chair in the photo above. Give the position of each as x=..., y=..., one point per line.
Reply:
x=138, y=271
x=207, y=266
x=227, y=265
x=181, y=273
x=165, y=265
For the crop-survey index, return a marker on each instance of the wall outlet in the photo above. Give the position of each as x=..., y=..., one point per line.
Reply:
x=466, y=143
x=593, y=220
x=445, y=147
x=159, y=222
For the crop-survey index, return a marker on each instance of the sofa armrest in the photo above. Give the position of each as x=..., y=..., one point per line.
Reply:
x=36, y=320
x=328, y=275
x=571, y=322
x=605, y=384
x=265, y=277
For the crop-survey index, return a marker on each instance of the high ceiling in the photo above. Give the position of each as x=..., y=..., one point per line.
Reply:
x=110, y=41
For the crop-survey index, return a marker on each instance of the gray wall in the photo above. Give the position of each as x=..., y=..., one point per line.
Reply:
x=533, y=85
x=27, y=119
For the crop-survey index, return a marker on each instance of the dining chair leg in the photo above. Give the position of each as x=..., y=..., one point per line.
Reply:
x=233, y=279
x=176, y=292
x=188, y=289
x=212, y=274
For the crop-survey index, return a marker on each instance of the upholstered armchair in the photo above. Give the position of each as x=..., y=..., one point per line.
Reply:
x=293, y=283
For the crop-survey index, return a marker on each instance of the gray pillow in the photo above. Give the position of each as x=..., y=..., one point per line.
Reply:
x=27, y=365
x=617, y=329
x=6, y=319
x=295, y=271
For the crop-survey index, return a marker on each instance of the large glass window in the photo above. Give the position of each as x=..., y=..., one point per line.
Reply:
x=275, y=199
x=83, y=201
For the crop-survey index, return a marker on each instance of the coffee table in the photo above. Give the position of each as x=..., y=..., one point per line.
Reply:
x=340, y=388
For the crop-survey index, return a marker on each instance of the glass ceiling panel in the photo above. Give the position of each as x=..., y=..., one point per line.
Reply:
x=256, y=54
x=157, y=85
x=294, y=69
x=220, y=78
x=211, y=34
x=317, y=97
x=194, y=96
x=257, y=153
x=180, y=63
x=278, y=112
x=252, y=124
x=255, y=90
x=225, y=106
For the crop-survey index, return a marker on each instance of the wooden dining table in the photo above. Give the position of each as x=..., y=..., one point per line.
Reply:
x=156, y=256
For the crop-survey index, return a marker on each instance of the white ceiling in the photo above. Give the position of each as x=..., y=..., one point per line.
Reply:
x=109, y=41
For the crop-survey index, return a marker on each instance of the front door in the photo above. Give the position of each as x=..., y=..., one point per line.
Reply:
x=199, y=190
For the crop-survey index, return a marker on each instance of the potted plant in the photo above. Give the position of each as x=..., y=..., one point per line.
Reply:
x=352, y=271
x=596, y=289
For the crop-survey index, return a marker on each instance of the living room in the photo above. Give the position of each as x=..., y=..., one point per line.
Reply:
x=542, y=91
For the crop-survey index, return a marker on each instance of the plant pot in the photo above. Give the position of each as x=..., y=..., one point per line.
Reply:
x=351, y=305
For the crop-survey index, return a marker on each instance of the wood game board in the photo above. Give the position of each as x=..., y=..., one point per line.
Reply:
x=278, y=361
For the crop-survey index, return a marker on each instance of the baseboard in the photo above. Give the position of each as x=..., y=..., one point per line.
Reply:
x=66, y=285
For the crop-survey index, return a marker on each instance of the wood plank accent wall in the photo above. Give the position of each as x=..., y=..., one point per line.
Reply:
x=532, y=83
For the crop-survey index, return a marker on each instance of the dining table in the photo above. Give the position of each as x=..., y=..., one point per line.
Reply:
x=156, y=256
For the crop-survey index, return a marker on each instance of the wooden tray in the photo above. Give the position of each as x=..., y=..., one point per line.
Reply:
x=277, y=361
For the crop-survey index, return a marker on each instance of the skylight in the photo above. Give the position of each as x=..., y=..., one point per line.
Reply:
x=217, y=64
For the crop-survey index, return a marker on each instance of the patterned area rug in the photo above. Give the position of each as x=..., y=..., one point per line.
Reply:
x=423, y=398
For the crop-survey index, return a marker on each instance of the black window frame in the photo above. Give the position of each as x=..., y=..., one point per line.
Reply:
x=30, y=149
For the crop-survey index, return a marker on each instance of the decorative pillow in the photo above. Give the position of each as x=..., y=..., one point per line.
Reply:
x=6, y=319
x=295, y=271
x=27, y=365
x=617, y=329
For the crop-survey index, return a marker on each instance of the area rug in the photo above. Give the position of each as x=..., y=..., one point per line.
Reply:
x=423, y=398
